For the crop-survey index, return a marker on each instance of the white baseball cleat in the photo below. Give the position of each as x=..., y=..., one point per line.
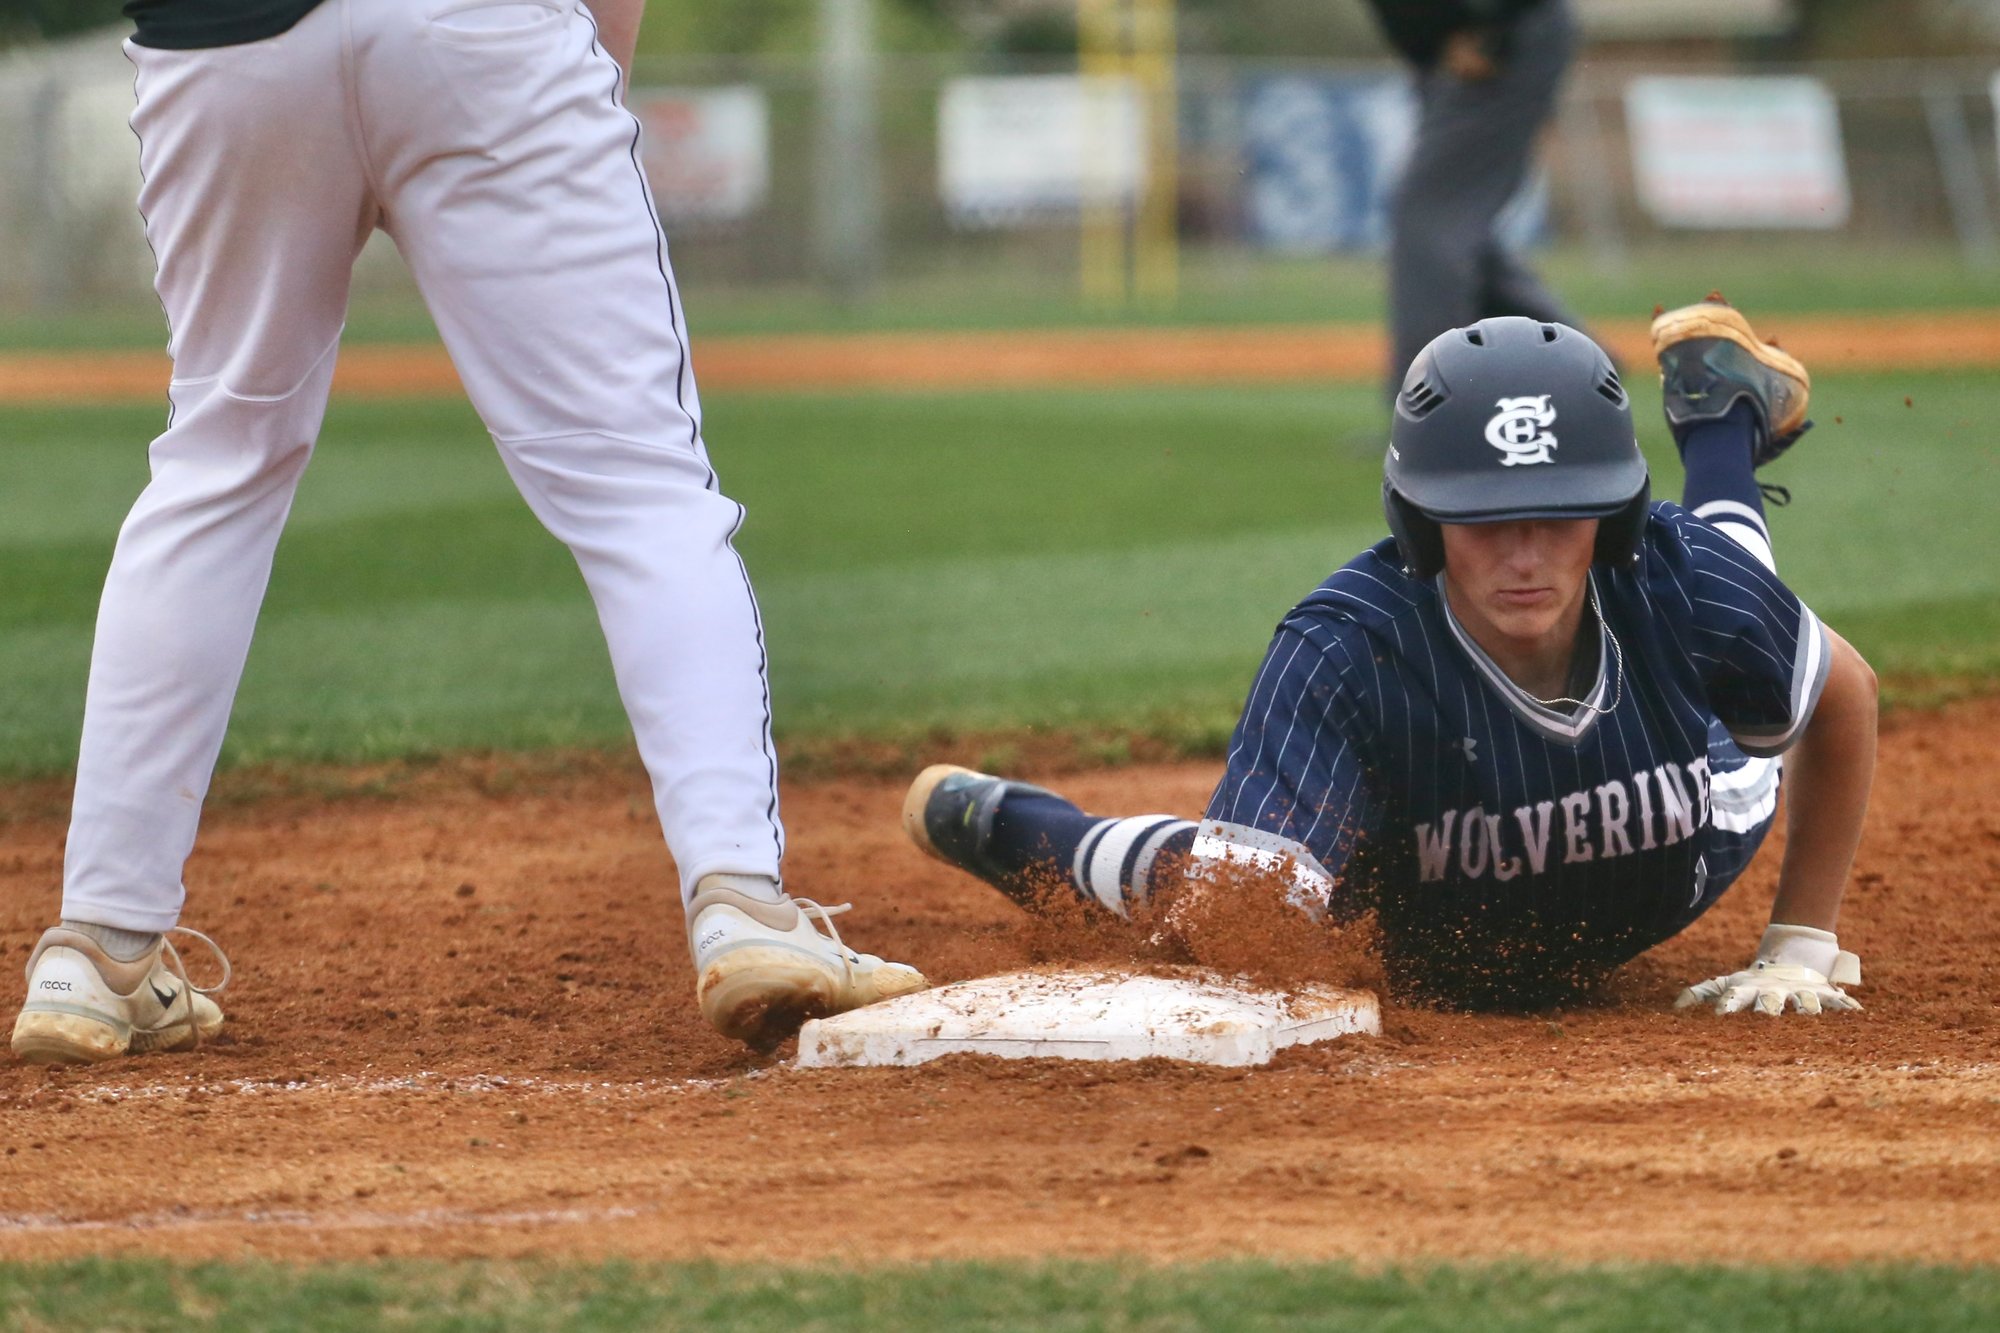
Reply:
x=763, y=968
x=84, y=1005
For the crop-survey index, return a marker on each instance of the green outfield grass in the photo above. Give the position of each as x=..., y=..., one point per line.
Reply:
x=1770, y=276
x=1069, y=558
x=153, y=1294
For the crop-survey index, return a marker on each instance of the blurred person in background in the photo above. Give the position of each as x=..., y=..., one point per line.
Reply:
x=1487, y=73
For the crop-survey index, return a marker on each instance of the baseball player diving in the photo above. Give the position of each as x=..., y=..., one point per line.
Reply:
x=490, y=140
x=1538, y=730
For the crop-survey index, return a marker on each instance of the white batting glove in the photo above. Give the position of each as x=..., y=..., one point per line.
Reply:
x=1796, y=965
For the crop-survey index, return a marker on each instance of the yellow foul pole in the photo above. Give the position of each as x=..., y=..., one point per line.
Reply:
x=1100, y=32
x=1157, y=231
x=1129, y=247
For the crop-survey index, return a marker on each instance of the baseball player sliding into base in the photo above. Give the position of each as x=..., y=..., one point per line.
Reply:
x=491, y=142
x=1536, y=731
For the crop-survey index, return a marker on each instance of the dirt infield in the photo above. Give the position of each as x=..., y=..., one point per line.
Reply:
x=1023, y=358
x=462, y=1025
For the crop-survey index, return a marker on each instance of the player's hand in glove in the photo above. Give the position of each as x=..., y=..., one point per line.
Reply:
x=1796, y=966
x=1768, y=987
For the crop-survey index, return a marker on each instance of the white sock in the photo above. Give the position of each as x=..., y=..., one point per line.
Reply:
x=761, y=887
x=124, y=945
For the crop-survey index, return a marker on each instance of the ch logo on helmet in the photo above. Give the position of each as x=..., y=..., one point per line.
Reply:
x=1520, y=430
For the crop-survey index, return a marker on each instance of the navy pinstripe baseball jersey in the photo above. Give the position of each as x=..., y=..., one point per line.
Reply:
x=1506, y=844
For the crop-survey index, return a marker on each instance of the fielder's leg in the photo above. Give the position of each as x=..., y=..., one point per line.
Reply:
x=255, y=205
x=512, y=187
x=510, y=172
x=1025, y=840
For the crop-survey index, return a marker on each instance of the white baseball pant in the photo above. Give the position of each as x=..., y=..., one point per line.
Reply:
x=490, y=142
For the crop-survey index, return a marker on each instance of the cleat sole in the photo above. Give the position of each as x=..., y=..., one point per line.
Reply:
x=760, y=994
x=44, y=1037
x=1721, y=321
x=1712, y=319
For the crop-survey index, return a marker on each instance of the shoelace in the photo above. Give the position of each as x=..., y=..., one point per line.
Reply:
x=825, y=916
x=188, y=988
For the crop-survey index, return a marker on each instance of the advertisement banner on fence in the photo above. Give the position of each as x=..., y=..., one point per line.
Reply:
x=1038, y=147
x=1737, y=152
x=1323, y=154
x=707, y=151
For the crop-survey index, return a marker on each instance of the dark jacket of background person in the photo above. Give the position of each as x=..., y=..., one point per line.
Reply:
x=1418, y=28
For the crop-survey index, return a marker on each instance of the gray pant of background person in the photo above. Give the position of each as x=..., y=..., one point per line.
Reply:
x=1473, y=147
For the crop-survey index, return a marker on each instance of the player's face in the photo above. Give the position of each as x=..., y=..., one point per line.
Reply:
x=1522, y=581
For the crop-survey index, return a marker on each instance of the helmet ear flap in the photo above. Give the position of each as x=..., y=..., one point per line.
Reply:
x=1620, y=536
x=1419, y=540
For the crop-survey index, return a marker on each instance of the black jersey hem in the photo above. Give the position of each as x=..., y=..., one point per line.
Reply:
x=164, y=28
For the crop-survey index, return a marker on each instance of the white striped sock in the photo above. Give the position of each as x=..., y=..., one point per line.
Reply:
x=1744, y=525
x=1149, y=852
x=1103, y=858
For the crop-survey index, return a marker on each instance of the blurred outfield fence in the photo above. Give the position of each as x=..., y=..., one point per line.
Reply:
x=800, y=172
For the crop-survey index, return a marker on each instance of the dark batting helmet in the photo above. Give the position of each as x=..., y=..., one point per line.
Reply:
x=1512, y=418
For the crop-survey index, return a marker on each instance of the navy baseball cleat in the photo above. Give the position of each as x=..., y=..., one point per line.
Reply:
x=1710, y=360
x=949, y=814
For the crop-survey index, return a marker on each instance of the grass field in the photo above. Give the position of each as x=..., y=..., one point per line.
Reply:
x=1773, y=276
x=142, y=1295
x=1060, y=558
